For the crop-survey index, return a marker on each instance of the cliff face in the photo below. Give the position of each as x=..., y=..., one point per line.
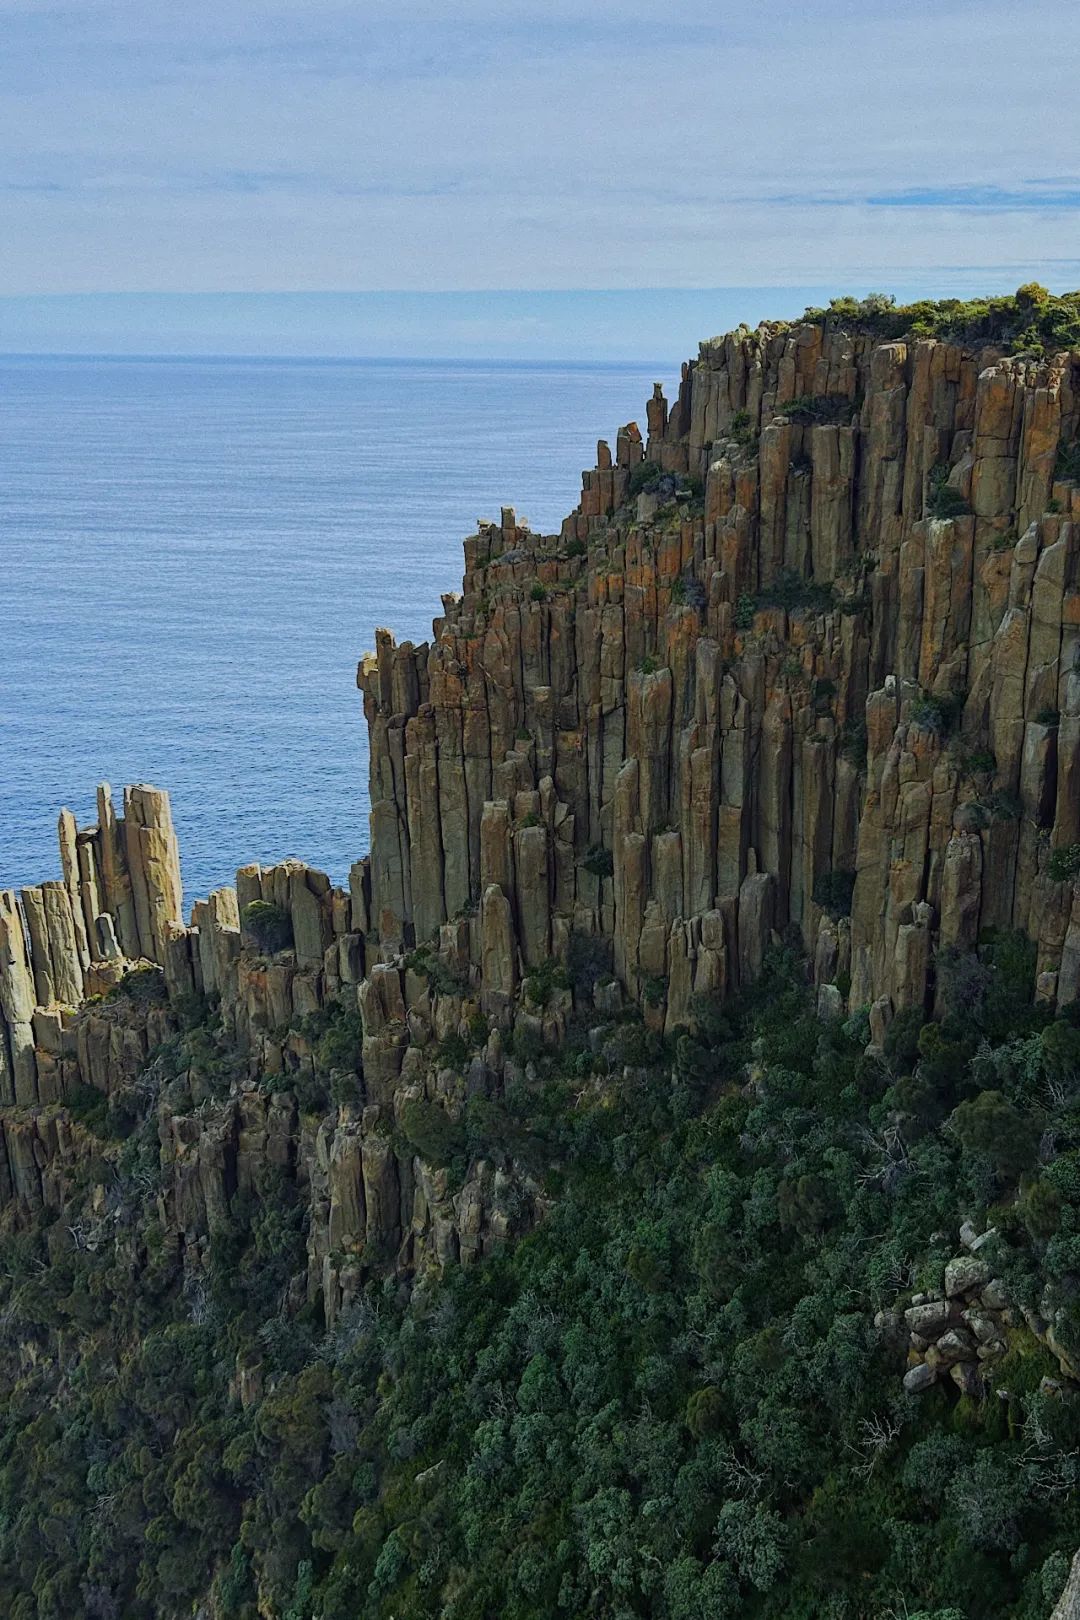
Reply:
x=744, y=697
x=804, y=658
x=801, y=668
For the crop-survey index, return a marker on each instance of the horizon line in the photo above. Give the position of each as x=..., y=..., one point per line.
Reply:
x=333, y=359
x=813, y=280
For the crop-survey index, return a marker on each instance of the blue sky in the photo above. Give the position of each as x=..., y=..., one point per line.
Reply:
x=741, y=151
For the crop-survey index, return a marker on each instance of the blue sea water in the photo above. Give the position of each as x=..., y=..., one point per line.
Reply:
x=194, y=554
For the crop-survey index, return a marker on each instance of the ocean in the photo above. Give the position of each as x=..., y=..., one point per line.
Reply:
x=195, y=553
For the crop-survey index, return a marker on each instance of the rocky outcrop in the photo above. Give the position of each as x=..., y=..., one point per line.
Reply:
x=792, y=673
x=803, y=661
x=962, y=1330
x=65, y=942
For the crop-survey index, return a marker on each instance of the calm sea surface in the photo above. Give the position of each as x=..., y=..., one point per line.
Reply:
x=194, y=554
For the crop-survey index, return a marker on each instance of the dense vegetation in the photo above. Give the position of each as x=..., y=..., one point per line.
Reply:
x=669, y=1400
x=1031, y=320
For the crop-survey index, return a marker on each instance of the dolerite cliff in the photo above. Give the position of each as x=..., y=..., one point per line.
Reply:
x=689, y=686
x=803, y=661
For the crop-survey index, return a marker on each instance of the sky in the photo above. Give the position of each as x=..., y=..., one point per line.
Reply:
x=725, y=157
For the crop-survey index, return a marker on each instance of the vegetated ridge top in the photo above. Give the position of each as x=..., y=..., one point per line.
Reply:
x=1032, y=320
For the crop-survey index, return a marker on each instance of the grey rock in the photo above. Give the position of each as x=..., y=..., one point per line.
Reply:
x=965, y=1274
x=919, y=1377
x=983, y=1240
x=830, y=1003
x=956, y=1345
x=994, y=1295
x=929, y=1320
x=985, y=1328
x=966, y=1378
x=890, y=1325
x=607, y=996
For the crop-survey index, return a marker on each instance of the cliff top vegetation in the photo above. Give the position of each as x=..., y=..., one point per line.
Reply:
x=1031, y=320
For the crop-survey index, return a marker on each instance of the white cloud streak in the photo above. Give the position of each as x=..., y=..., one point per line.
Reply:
x=257, y=145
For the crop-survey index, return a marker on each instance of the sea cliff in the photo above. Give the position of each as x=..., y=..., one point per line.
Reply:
x=802, y=661
x=798, y=681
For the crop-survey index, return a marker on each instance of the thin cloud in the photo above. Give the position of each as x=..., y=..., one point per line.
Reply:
x=989, y=198
x=252, y=145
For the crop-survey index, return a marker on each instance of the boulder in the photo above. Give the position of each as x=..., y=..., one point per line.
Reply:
x=919, y=1377
x=966, y=1274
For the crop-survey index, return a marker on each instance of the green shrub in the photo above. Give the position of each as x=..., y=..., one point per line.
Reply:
x=805, y=1204
x=142, y=985
x=538, y=591
x=588, y=961
x=942, y=500
x=641, y=476
x=1067, y=463
x=599, y=861
x=454, y=1051
x=852, y=742
x=979, y=762
x=543, y=981
x=689, y=591
x=1003, y=805
x=901, y=1044
x=1060, y=1043
x=796, y=593
x=337, y=1033
x=811, y=408
x=1040, y=1209
x=269, y=926
x=705, y=1411
x=1064, y=1176
x=745, y=611
x=791, y=591
x=1032, y=295
x=430, y=1130
x=989, y=1124
x=442, y=979
x=755, y=1539
x=345, y=1089
x=833, y=891
x=1064, y=863
x=90, y=1107
x=938, y=711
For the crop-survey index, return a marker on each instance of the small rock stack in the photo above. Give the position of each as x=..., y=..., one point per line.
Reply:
x=962, y=1331
x=64, y=941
